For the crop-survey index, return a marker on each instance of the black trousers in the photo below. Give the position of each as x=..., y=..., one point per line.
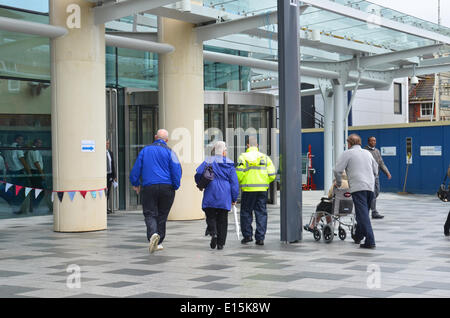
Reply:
x=447, y=223
x=157, y=200
x=217, y=221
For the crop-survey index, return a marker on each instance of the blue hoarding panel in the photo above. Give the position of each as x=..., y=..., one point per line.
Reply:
x=430, y=156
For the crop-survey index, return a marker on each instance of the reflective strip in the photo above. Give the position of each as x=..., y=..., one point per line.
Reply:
x=251, y=168
x=254, y=185
x=272, y=174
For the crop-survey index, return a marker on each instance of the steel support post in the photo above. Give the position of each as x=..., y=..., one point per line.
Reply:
x=339, y=113
x=290, y=121
x=327, y=137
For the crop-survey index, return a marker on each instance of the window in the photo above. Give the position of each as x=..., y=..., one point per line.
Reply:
x=397, y=98
x=426, y=110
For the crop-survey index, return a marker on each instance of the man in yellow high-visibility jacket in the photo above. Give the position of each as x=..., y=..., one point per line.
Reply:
x=255, y=172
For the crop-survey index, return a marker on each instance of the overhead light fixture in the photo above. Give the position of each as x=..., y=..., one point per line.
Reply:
x=414, y=79
x=315, y=36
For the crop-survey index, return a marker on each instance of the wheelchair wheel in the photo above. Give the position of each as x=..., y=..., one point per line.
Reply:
x=316, y=234
x=342, y=234
x=328, y=233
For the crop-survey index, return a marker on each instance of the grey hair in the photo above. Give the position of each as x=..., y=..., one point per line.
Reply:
x=252, y=141
x=219, y=148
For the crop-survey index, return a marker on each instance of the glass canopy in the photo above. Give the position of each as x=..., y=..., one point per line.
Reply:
x=351, y=31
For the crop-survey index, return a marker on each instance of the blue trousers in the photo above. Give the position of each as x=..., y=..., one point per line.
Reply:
x=362, y=201
x=254, y=201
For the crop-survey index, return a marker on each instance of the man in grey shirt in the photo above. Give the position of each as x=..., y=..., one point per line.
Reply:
x=361, y=169
x=372, y=142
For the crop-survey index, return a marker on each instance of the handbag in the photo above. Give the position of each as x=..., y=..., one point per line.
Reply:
x=206, y=178
x=443, y=192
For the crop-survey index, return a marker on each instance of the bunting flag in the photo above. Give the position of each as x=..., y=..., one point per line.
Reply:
x=71, y=195
x=18, y=188
x=37, y=192
x=8, y=185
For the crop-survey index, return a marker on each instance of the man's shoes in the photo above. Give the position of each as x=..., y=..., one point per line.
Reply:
x=109, y=211
x=376, y=215
x=154, y=240
x=259, y=242
x=367, y=246
x=245, y=240
x=213, y=243
x=446, y=231
x=159, y=247
x=307, y=228
x=220, y=247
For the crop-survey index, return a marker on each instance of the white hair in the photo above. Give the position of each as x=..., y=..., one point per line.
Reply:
x=219, y=148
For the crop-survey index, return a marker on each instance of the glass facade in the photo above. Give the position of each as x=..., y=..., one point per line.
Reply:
x=25, y=120
x=225, y=77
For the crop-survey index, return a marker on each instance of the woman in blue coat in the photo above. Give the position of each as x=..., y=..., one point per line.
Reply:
x=220, y=194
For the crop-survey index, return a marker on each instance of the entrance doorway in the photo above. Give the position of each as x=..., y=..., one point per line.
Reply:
x=138, y=122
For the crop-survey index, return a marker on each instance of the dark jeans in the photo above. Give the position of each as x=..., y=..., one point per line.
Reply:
x=362, y=201
x=109, y=181
x=38, y=183
x=157, y=199
x=217, y=221
x=17, y=178
x=254, y=201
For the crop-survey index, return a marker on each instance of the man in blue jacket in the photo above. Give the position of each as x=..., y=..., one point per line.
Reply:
x=160, y=170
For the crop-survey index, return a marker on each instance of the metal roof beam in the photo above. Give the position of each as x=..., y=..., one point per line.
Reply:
x=217, y=30
x=33, y=28
x=410, y=71
x=136, y=44
x=368, y=61
x=117, y=10
x=378, y=79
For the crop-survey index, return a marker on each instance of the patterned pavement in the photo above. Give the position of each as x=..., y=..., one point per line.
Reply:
x=412, y=259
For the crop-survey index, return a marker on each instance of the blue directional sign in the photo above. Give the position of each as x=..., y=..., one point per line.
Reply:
x=88, y=146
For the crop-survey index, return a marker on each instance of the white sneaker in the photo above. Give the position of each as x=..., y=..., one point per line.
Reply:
x=154, y=240
x=159, y=247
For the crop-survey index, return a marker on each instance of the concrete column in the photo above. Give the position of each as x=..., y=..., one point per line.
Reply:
x=78, y=113
x=339, y=114
x=181, y=109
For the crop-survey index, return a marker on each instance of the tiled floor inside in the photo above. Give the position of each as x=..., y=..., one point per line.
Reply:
x=412, y=258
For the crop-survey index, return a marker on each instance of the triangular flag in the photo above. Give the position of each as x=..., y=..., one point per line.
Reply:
x=53, y=196
x=83, y=193
x=60, y=195
x=37, y=192
x=27, y=191
x=8, y=185
x=18, y=188
x=100, y=193
x=71, y=195
x=94, y=194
